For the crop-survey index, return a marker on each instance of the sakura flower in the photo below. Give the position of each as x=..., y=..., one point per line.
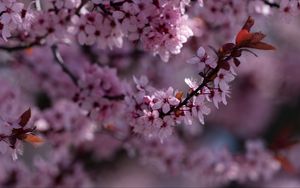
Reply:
x=192, y=83
x=149, y=124
x=217, y=96
x=166, y=128
x=11, y=12
x=202, y=59
x=222, y=80
x=199, y=108
x=142, y=83
x=164, y=100
x=10, y=17
x=83, y=29
x=127, y=17
x=289, y=9
x=100, y=92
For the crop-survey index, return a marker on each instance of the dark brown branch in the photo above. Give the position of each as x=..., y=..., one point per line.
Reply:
x=59, y=60
x=116, y=97
x=206, y=80
x=272, y=4
x=244, y=40
x=19, y=48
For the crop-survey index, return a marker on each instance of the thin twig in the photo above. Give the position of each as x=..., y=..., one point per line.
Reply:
x=272, y=4
x=59, y=60
x=19, y=48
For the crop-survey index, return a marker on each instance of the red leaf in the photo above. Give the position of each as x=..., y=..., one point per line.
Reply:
x=24, y=118
x=225, y=66
x=284, y=140
x=283, y=144
x=257, y=37
x=242, y=37
x=236, y=62
x=261, y=46
x=285, y=163
x=227, y=48
x=236, y=53
x=248, y=24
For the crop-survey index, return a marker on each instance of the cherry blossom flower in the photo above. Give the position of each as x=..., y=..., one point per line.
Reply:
x=222, y=80
x=289, y=9
x=164, y=100
x=202, y=59
x=199, y=108
x=10, y=17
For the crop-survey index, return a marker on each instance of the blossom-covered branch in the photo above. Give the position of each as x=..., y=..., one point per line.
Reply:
x=155, y=113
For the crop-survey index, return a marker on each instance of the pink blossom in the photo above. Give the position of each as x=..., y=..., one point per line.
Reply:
x=199, y=108
x=164, y=100
x=222, y=80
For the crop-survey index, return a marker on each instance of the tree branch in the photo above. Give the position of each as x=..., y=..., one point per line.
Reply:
x=272, y=4
x=59, y=60
x=19, y=48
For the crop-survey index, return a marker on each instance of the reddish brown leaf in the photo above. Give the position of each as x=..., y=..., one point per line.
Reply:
x=178, y=113
x=227, y=48
x=285, y=163
x=257, y=37
x=179, y=95
x=261, y=46
x=236, y=62
x=236, y=53
x=283, y=139
x=225, y=66
x=283, y=144
x=248, y=24
x=24, y=118
x=33, y=139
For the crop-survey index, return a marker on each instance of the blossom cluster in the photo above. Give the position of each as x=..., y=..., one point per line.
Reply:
x=155, y=112
x=160, y=26
x=100, y=92
x=213, y=167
